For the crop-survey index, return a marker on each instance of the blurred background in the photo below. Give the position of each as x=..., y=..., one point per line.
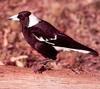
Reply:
x=80, y=19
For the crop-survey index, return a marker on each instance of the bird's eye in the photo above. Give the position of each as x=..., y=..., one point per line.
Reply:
x=21, y=17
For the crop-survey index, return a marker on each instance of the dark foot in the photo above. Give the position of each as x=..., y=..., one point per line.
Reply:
x=41, y=66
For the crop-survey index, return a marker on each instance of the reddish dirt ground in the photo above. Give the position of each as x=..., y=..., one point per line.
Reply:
x=24, y=78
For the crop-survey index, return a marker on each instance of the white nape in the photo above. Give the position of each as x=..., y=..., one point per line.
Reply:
x=33, y=20
x=70, y=49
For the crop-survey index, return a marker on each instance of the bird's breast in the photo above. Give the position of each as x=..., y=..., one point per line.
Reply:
x=31, y=39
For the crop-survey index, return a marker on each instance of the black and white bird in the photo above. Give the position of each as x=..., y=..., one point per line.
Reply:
x=45, y=38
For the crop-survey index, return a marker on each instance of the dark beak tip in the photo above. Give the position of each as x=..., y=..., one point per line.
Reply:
x=8, y=18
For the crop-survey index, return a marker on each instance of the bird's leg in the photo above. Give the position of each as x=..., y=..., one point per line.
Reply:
x=77, y=70
x=77, y=67
x=41, y=65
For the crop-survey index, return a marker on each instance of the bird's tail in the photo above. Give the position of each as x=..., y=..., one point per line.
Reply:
x=87, y=49
x=93, y=52
x=84, y=49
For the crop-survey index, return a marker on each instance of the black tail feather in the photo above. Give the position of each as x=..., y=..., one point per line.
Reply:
x=94, y=53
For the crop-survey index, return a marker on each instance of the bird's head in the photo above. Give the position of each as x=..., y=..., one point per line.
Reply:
x=25, y=18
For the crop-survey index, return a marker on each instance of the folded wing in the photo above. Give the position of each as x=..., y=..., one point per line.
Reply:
x=64, y=42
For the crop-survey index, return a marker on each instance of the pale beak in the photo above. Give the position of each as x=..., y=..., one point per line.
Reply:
x=14, y=17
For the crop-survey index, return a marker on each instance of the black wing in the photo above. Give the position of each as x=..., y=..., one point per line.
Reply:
x=49, y=34
x=66, y=41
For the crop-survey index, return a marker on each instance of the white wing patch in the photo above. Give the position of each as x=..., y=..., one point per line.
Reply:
x=70, y=49
x=41, y=39
x=55, y=38
x=45, y=40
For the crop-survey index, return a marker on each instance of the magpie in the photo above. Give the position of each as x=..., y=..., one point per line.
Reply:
x=45, y=38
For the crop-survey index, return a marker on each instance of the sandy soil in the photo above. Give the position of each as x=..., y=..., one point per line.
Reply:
x=23, y=78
